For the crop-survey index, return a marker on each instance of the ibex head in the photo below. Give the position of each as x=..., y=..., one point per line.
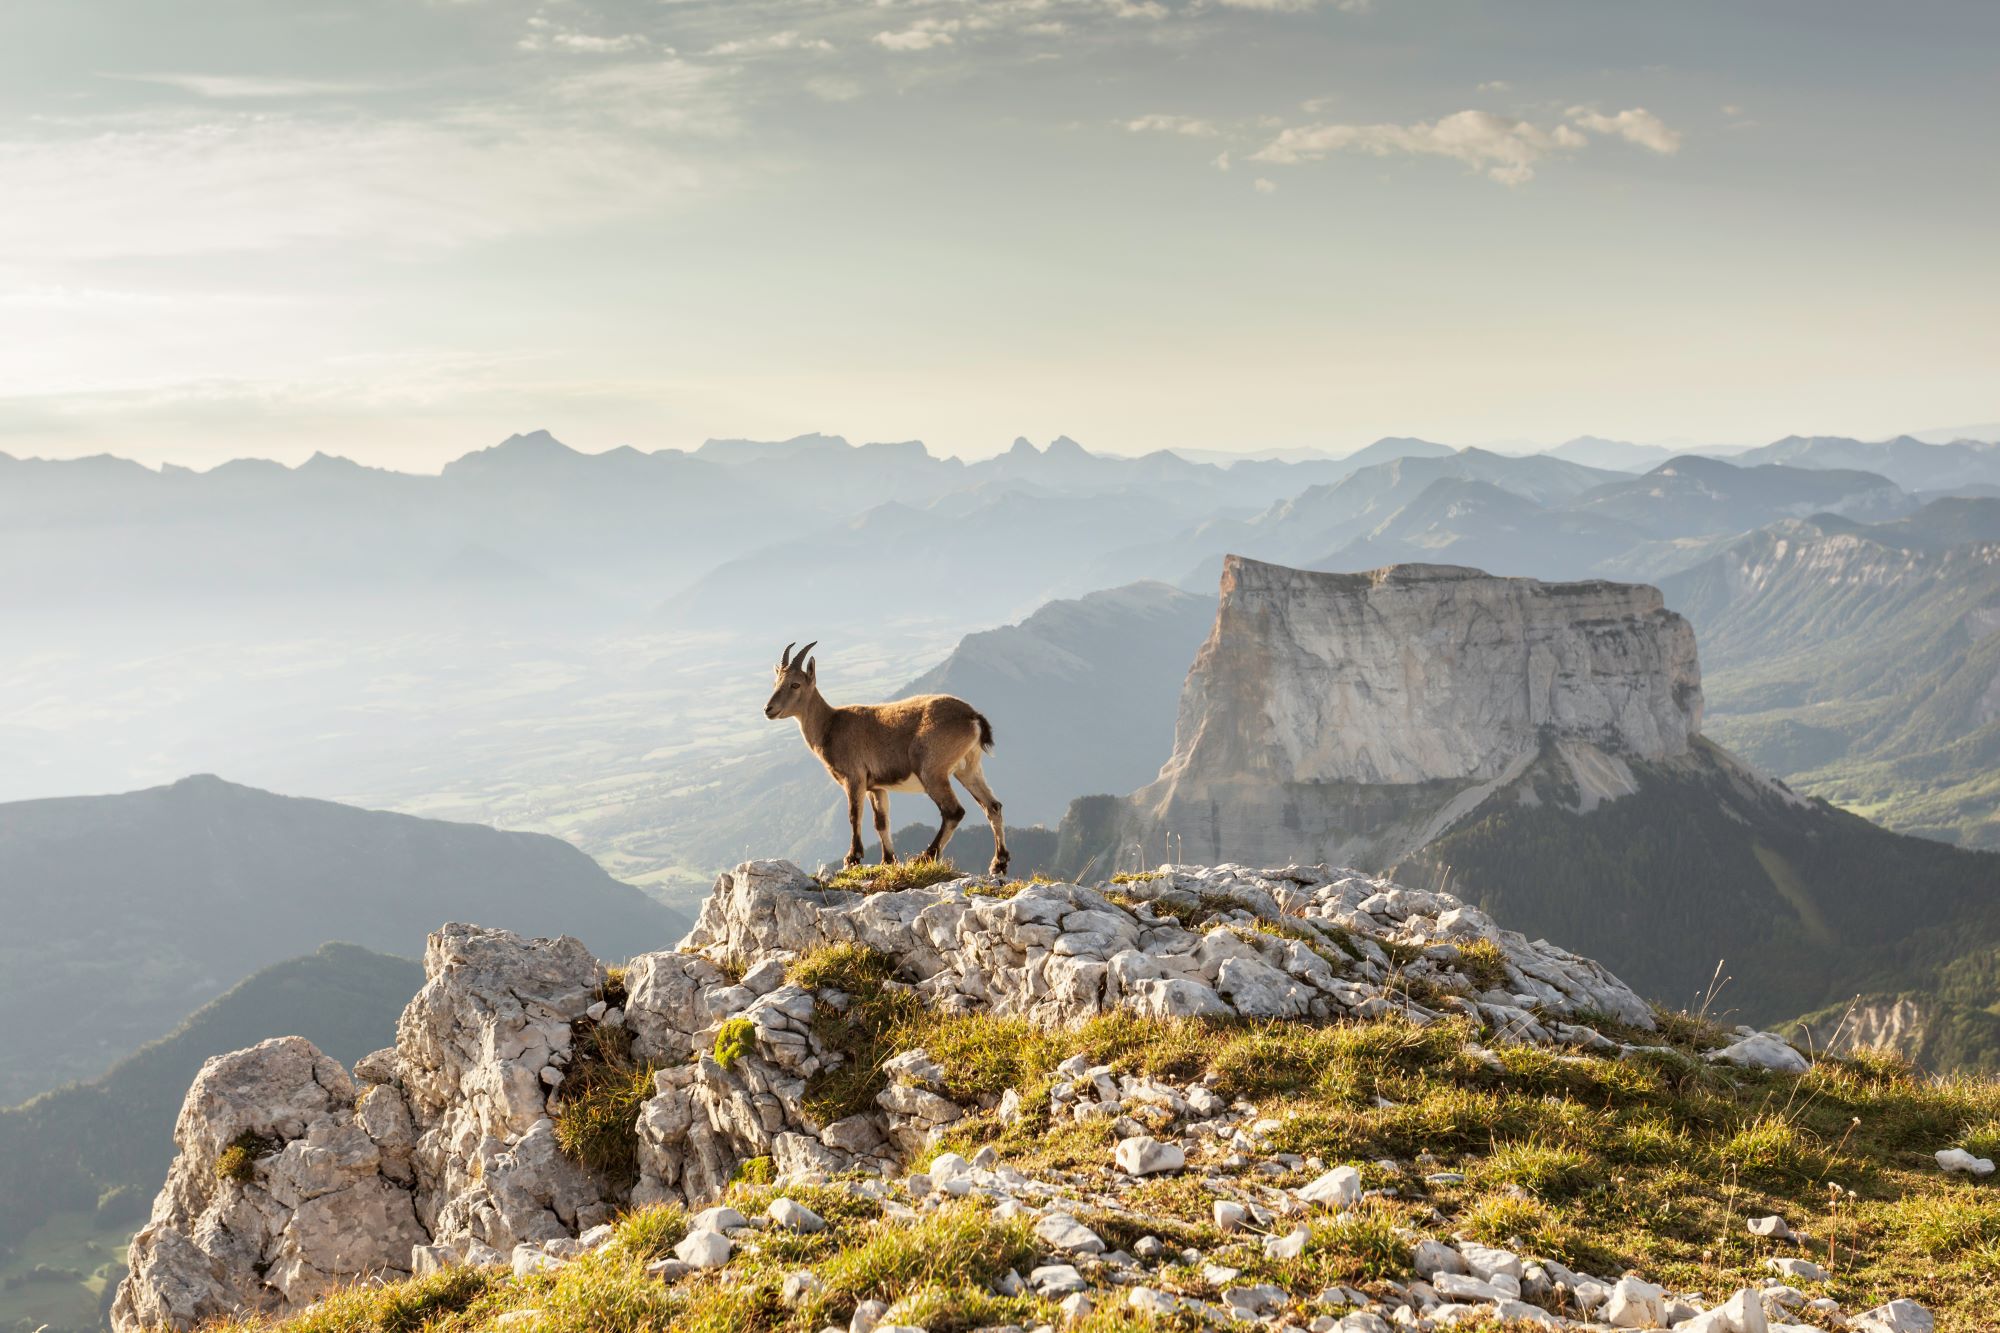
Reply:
x=797, y=674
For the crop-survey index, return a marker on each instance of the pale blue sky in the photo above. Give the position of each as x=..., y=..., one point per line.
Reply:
x=401, y=229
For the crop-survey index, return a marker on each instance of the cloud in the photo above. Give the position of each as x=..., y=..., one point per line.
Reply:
x=1502, y=148
x=1221, y=162
x=600, y=146
x=546, y=34
x=1298, y=6
x=240, y=86
x=1264, y=186
x=922, y=35
x=1496, y=86
x=1636, y=125
x=1158, y=123
x=788, y=40
x=833, y=89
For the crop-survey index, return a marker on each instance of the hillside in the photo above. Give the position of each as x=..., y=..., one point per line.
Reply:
x=1860, y=662
x=154, y=902
x=1706, y=864
x=1195, y=1098
x=83, y=1161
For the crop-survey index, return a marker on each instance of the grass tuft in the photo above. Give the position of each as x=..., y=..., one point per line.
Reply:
x=920, y=873
x=1484, y=964
x=597, y=1107
x=238, y=1162
x=735, y=1039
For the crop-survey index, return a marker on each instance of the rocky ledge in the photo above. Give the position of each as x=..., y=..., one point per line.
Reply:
x=296, y=1176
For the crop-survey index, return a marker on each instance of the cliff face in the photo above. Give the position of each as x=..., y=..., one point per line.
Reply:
x=1353, y=716
x=1416, y=673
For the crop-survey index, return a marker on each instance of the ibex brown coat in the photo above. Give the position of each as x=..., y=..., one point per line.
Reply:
x=917, y=744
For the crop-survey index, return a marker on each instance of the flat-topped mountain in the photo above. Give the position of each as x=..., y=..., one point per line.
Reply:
x=1539, y=746
x=1420, y=672
x=1351, y=717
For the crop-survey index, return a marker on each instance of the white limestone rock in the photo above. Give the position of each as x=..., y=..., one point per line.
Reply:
x=1144, y=1155
x=1762, y=1050
x=1959, y=1161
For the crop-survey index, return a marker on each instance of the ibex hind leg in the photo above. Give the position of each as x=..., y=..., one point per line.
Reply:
x=880, y=799
x=950, y=812
x=973, y=778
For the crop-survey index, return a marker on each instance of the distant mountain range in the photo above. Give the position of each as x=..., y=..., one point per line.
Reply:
x=533, y=521
x=89, y=1157
x=1863, y=661
x=125, y=913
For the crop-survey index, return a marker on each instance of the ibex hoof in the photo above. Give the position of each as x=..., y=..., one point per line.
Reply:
x=999, y=866
x=851, y=861
x=888, y=858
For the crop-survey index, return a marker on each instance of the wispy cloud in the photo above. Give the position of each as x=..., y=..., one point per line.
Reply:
x=788, y=40
x=249, y=86
x=547, y=34
x=1635, y=124
x=246, y=183
x=923, y=35
x=1158, y=123
x=1299, y=6
x=1503, y=148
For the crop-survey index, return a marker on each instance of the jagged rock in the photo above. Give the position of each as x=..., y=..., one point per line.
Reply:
x=449, y=1153
x=312, y=1212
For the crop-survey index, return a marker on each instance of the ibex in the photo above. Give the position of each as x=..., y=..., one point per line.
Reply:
x=918, y=744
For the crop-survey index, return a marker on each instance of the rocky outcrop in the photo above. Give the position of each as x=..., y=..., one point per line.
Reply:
x=443, y=1148
x=1353, y=717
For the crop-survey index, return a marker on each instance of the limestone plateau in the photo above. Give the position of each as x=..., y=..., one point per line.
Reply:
x=442, y=1151
x=1357, y=716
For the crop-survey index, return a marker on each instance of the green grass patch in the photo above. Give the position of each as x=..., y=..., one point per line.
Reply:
x=734, y=1040
x=920, y=873
x=238, y=1162
x=597, y=1107
x=1484, y=964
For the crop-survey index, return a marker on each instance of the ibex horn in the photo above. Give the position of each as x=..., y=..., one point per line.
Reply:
x=785, y=658
x=803, y=651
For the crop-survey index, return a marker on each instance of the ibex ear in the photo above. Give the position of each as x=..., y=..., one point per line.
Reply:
x=812, y=669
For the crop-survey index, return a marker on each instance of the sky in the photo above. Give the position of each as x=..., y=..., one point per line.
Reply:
x=399, y=230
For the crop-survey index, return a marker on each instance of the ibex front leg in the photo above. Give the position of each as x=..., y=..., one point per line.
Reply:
x=854, y=794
